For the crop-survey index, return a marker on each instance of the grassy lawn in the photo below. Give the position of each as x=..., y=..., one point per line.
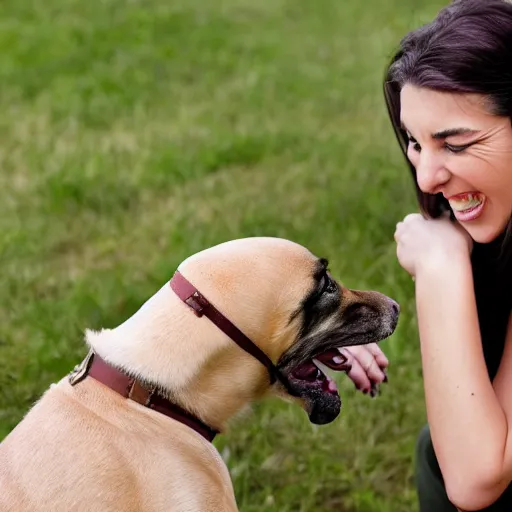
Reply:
x=134, y=133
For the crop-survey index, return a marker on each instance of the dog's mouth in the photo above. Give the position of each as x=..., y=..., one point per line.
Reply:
x=310, y=381
x=364, y=317
x=313, y=371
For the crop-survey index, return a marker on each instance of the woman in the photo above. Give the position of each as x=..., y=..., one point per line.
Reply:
x=449, y=95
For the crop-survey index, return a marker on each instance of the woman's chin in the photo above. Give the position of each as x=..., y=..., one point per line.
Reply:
x=485, y=233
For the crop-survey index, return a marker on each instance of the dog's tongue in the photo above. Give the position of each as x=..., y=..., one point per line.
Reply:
x=328, y=384
x=314, y=370
x=311, y=371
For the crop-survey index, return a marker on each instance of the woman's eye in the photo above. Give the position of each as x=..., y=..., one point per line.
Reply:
x=414, y=144
x=455, y=149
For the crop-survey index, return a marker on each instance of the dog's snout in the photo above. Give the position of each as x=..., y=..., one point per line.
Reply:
x=395, y=307
x=394, y=313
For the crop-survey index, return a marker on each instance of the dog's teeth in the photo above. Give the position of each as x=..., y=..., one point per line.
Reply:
x=324, y=369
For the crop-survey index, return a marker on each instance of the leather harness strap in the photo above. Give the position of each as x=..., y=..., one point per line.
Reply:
x=201, y=306
x=97, y=368
x=128, y=387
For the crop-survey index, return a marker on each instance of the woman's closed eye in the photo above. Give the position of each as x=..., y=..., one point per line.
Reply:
x=414, y=143
x=452, y=148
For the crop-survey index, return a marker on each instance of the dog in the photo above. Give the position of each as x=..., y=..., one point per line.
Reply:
x=130, y=428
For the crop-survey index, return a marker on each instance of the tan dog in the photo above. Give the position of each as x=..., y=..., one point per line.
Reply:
x=85, y=447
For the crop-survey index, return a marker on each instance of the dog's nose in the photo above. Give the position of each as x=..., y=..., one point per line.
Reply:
x=395, y=307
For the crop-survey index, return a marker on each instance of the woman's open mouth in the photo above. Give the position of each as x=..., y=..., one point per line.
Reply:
x=467, y=206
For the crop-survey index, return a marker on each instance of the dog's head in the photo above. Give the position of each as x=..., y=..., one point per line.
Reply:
x=331, y=317
x=284, y=298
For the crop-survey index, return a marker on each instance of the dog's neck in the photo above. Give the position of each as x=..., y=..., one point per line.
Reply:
x=194, y=363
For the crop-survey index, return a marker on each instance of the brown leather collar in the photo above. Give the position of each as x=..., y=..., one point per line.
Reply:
x=94, y=366
x=201, y=306
x=129, y=387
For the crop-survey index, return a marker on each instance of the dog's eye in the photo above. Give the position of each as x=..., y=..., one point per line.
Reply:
x=325, y=285
x=331, y=286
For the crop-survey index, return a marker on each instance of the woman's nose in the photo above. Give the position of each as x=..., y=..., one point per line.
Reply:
x=431, y=173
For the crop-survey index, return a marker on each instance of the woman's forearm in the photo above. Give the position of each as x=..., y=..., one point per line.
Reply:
x=468, y=426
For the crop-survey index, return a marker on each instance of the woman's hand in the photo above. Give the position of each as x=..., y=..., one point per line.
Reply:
x=429, y=242
x=368, y=367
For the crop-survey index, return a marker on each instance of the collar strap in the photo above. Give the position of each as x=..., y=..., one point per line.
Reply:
x=201, y=306
x=128, y=387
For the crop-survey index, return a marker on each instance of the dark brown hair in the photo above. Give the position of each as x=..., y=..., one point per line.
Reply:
x=467, y=48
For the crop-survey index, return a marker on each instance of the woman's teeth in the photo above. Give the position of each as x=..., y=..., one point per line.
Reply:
x=466, y=202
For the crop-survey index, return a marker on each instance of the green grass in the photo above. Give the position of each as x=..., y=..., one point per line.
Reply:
x=135, y=133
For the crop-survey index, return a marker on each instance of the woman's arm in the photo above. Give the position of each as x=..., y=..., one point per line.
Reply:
x=469, y=419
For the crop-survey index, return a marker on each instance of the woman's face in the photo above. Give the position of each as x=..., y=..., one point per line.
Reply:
x=461, y=150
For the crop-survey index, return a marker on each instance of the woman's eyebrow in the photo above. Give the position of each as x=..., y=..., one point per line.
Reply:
x=452, y=132
x=443, y=134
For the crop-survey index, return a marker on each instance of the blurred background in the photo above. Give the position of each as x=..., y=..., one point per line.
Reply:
x=133, y=134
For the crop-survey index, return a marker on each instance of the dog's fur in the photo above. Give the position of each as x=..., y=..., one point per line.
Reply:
x=86, y=448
